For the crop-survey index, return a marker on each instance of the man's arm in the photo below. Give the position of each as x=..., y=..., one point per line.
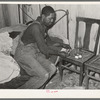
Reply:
x=36, y=32
x=54, y=41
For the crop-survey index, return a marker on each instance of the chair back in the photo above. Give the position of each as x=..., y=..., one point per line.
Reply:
x=87, y=33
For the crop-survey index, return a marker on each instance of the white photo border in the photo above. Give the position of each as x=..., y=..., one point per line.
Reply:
x=42, y=94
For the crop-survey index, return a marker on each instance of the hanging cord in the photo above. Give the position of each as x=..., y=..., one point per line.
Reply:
x=67, y=18
x=19, y=13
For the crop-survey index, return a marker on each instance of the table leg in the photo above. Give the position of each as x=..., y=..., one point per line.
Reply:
x=87, y=79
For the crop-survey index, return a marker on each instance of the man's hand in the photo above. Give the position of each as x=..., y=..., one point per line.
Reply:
x=63, y=54
x=56, y=44
x=66, y=46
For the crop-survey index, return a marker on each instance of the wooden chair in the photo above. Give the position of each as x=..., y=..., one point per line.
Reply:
x=94, y=66
x=84, y=49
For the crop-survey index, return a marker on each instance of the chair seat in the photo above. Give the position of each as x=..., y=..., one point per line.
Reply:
x=86, y=55
x=94, y=63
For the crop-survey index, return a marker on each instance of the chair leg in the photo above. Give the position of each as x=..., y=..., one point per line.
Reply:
x=87, y=82
x=87, y=79
x=81, y=76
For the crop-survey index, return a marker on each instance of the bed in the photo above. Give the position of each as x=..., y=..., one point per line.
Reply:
x=11, y=75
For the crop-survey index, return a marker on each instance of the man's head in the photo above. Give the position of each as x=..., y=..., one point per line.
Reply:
x=48, y=16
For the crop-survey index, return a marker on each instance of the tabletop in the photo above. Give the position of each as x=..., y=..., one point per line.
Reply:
x=75, y=59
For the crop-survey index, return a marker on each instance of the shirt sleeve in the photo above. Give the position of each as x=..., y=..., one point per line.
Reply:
x=38, y=36
x=54, y=40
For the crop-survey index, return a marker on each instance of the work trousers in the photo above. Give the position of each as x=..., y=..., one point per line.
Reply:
x=35, y=65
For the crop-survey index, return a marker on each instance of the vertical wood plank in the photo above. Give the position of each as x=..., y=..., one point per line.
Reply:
x=76, y=33
x=86, y=40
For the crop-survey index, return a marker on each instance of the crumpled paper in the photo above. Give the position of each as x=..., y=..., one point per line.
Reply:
x=6, y=43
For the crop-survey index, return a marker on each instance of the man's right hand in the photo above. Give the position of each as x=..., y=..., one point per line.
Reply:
x=63, y=54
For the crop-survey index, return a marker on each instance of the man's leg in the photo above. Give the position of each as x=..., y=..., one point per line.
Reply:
x=38, y=75
x=47, y=64
x=35, y=83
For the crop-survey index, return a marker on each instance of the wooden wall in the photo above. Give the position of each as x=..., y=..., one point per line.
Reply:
x=8, y=15
x=60, y=29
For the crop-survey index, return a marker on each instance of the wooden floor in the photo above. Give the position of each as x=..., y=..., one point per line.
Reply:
x=70, y=81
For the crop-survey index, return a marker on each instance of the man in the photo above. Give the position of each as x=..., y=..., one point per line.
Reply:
x=33, y=51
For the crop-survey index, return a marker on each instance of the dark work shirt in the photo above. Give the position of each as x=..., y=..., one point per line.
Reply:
x=35, y=33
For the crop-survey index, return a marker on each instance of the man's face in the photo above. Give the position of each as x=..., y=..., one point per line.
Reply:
x=49, y=20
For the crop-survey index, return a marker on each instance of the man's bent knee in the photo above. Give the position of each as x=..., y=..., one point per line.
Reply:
x=47, y=75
